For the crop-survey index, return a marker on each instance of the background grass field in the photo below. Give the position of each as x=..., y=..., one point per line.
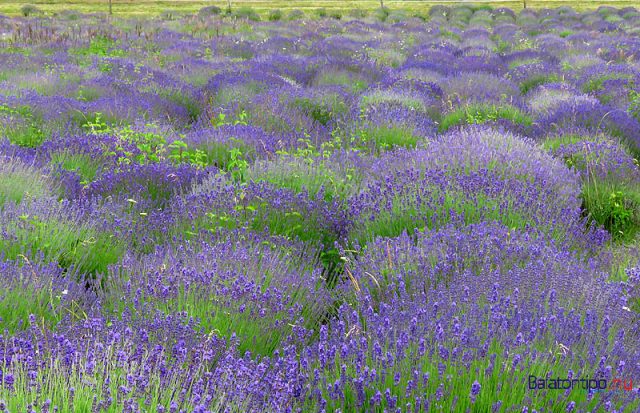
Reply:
x=142, y=7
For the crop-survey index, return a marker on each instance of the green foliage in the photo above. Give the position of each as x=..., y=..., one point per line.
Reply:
x=152, y=146
x=307, y=150
x=246, y=13
x=29, y=136
x=219, y=153
x=70, y=245
x=404, y=216
x=18, y=183
x=322, y=109
x=565, y=33
x=25, y=130
x=295, y=14
x=88, y=94
x=396, y=16
x=71, y=15
x=345, y=78
x=24, y=111
x=445, y=373
x=258, y=215
x=237, y=165
x=210, y=11
x=596, y=83
x=381, y=13
x=179, y=152
x=614, y=205
x=95, y=124
x=30, y=297
x=275, y=15
x=309, y=175
x=185, y=100
x=29, y=10
x=634, y=104
x=169, y=15
x=256, y=331
x=101, y=46
x=253, y=333
x=388, y=137
x=502, y=46
x=517, y=63
x=222, y=120
x=84, y=165
x=535, y=81
x=554, y=143
x=482, y=113
x=358, y=13
x=449, y=34
x=377, y=97
x=387, y=57
x=55, y=381
x=612, y=202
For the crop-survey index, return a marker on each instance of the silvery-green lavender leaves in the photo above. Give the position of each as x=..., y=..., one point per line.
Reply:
x=373, y=212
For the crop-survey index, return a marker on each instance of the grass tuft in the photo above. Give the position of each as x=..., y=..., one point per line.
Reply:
x=480, y=113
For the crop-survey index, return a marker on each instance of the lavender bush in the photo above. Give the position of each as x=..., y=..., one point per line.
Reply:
x=381, y=211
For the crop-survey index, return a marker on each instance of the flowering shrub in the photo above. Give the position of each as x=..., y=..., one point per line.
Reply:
x=340, y=212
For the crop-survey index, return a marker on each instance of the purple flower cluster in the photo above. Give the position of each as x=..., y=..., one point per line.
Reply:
x=390, y=213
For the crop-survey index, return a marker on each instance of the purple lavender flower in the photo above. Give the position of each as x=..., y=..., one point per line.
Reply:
x=475, y=390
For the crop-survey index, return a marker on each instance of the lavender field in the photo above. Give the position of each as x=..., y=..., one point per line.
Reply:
x=321, y=212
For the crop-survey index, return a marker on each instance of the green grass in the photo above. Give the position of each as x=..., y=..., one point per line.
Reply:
x=596, y=83
x=387, y=57
x=349, y=80
x=614, y=205
x=240, y=316
x=26, y=130
x=258, y=215
x=240, y=94
x=405, y=216
x=32, y=297
x=481, y=113
x=97, y=123
x=577, y=160
x=322, y=109
x=259, y=316
x=56, y=378
x=154, y=7
x=388, y=137
x=84, y=165
x=193, y=107
x=584, y=160
x=18, y=183
x=28, y=136
x=101, y=46
x=510, y=383
x=88, y=93
x=535, y=81
x=518, y=63
x=554, y=143
x=378, y=96
x=450, y=35
x=67, y=244
x=219, y=154
x=300, y=175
